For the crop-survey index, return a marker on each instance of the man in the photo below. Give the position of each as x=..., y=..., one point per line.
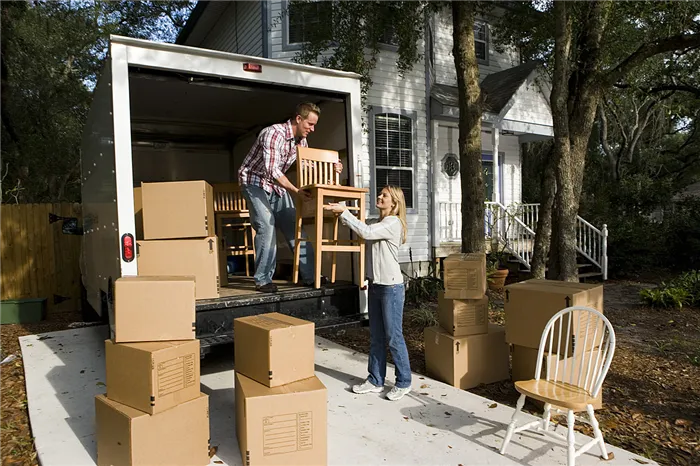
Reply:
x=267, y=191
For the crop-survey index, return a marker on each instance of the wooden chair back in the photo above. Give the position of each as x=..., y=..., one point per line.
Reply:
x=593, y=348
x=316, y=167
x=228, y=197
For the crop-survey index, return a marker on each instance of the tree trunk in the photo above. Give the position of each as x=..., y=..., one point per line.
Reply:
x=543, y=231
x=472, y=178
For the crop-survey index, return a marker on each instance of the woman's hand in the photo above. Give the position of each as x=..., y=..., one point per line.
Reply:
x=335, y=208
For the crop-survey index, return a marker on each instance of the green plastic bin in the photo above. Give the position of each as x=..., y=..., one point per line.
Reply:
x=22, y=311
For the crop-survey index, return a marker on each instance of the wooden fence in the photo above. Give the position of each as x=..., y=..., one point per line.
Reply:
x=38, y=259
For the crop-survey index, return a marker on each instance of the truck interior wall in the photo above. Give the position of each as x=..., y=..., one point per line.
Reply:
x=154, y=165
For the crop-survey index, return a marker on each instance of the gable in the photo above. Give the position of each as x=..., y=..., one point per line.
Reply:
x=530, y=105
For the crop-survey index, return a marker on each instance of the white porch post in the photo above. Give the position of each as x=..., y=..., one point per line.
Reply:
x=495, y=136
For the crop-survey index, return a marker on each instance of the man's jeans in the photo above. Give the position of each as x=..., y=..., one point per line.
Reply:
x=386, y=327
x=268, y=211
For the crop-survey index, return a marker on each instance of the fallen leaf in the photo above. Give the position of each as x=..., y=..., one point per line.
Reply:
x=100, y=384
x=448, y=413
x=83, y=371
x=449, y=446
x=424, y=386
x=405, y=417
x=424, y=393
x=683, y=422
x=493, y=405
x=212, y=451
x=218, y=462
x=640, y=461
x=324, y=349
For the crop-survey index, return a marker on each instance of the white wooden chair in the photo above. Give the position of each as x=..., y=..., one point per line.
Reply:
x=569, y=383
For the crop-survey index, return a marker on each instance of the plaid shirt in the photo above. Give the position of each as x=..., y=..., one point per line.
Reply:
x=270, y=157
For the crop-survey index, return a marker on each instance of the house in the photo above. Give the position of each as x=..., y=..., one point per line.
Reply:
x=412, y=137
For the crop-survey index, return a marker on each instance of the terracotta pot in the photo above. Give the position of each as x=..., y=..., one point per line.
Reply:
x=497, y=279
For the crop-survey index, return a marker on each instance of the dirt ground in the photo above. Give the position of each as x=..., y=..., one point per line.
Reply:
x=651, y=395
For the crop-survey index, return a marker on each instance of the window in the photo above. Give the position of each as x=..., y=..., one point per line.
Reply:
x=389, y=37
x=393, y=153
x=308, y=20
x=481, y=43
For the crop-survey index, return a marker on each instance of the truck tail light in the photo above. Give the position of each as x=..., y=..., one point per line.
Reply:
x=128, y=247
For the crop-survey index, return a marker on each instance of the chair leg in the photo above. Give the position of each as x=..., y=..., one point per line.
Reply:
x=546, y=415
x=511, y=427
x=571, y=447
x=245, y=254
x=334, y=255
x=318, y=242
x=297, y=247
x=596, y=431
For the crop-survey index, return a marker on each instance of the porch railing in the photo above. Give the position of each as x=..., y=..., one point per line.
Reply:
x=514, y=226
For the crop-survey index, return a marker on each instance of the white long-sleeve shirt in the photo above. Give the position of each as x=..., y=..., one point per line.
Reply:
x=383, y=238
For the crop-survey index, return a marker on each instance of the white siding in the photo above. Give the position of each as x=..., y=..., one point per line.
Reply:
x=530, y=105
x=449, y=189
x=238, y=28
x=443, y=61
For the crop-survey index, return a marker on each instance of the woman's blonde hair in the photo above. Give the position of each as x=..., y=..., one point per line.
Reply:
x=399, y=208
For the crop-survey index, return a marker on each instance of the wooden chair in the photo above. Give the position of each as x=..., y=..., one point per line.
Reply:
x=231, y=211
x=573, y=388
x=316, y=174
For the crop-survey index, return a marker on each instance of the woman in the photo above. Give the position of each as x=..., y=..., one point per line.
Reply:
x=386, y=290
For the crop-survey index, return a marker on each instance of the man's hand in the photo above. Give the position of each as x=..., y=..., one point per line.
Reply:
x=335, y=208
x=304, y=195
x=338, y=167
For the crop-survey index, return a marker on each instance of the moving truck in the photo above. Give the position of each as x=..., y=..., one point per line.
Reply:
x=166, y=112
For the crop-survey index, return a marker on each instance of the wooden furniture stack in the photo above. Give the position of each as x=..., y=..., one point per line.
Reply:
x=233, y=220
x=465, y=350
x=153, y=411
x=316, y=175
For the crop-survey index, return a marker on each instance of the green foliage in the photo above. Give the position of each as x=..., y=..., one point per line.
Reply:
x=681, y=291
x=422, y=316
x=52, y=53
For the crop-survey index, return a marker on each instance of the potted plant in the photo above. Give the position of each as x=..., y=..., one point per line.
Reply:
x=497, y=265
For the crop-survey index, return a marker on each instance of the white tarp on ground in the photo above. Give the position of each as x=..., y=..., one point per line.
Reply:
x=435, y=424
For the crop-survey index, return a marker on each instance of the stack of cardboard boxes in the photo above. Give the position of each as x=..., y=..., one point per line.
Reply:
x=153, y=411
x=529, y=305
x=280, y=403
x=175, y=233
x=465, y=350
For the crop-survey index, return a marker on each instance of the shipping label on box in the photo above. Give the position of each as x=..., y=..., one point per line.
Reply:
x=177, y=210
x=465, y=362
x=529, y=305
x=152, y=377
x=195, y=257
x=274, y=349
x=157, y=308
x=463, y=317
x=465, y=276
x=281, y=425
x=176, y=437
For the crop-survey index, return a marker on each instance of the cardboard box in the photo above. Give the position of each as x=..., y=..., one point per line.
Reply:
x=281, y=425
x=524, y=363
x=138, y=212
x=462, y=317
x=465, y=276
x=158, y=308
x=127, y=436
x=530, y=304
x=152, y=377
x=195, y=257
x=466, y=362
x=274, y=349
x=178, y=210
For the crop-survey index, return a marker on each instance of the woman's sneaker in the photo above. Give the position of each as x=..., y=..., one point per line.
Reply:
x=366, y=387
x=397, y=393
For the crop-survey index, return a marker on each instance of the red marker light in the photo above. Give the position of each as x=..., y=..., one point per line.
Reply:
x=252, y=67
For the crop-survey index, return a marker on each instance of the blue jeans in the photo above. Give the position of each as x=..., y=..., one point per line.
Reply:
x=268, y=212
x=386, y=327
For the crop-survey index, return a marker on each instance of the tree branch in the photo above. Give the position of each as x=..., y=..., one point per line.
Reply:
x=663, y=88
x=678, y=42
